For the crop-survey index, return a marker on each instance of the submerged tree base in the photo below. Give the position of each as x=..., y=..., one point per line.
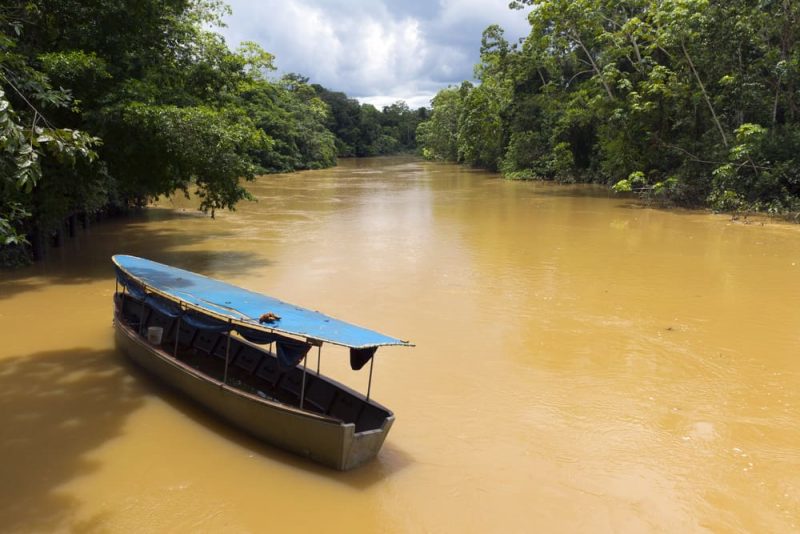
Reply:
x=14, y=256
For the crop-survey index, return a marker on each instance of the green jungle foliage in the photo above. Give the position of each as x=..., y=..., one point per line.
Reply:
x=362, y=130
x=693, y=102
x=107, y=104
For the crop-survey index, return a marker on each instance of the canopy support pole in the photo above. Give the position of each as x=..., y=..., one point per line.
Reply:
x=319, y=356
x=273, y=387
x=122, y=308
x=141, y=319
x=369, y=386
x=303, y=386
x=177, y=335
x=227, y=354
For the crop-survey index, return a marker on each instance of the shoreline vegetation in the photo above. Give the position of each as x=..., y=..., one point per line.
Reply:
x=105, y=106
x=691, y=103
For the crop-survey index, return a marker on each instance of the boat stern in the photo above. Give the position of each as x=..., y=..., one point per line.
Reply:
x=359, y=448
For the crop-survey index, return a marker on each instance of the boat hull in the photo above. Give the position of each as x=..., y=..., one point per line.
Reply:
x=322, y=439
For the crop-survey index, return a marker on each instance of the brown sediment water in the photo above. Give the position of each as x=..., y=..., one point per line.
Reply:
x=583, y=364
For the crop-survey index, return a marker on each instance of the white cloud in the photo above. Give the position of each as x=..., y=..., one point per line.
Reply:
x=376, y=51
x=413, y=101
x=483, y=13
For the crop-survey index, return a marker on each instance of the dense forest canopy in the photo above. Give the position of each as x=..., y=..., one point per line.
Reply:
x=107, y=104
x=688, y=101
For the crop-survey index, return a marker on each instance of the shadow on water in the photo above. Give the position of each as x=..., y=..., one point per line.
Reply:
x=552, y=189
x=55, y=408
x=87, y=258
x=390, y=460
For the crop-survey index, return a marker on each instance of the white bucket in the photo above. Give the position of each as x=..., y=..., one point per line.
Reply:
x=154, y=334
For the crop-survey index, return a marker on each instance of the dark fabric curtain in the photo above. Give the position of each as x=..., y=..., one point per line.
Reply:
x=203, y=322
x=359, y=357
x=164, y=306
x=133, y=288
x=290, y=352
x=257, y=336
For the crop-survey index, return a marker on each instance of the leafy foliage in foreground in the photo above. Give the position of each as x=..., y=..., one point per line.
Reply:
x=175, y=109
x=686, y=101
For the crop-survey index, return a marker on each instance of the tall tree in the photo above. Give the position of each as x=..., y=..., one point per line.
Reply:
x=691, y=101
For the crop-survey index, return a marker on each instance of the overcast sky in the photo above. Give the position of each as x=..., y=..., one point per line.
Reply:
x=378, y=51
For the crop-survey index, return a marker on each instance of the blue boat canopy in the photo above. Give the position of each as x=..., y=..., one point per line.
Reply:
x=242, y=307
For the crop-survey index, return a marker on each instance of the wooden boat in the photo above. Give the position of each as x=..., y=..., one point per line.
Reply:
x=238, y=353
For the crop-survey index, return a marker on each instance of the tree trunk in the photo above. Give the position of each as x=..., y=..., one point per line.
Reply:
x=38, y=247
x=58, y=240
x=705, y=95
x=594, y=66
x=72, y=224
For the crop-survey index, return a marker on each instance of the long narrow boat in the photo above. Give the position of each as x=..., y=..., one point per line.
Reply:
x=238, y=353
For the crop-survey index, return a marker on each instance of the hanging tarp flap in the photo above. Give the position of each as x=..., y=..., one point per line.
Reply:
x=164, y=306
x=257, y=336
x=290, y=352
x=204, y=322
x=133, y=287
x=246, y=307
x=359, y=357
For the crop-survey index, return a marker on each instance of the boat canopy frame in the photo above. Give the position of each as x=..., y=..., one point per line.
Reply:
x=154, y=284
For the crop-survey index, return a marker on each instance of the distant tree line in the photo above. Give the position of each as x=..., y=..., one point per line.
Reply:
x=695, y=102
x=361, y=130
x=107, y=104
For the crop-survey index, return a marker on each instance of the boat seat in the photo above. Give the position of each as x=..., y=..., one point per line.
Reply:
x=205, y=341
x=131, y=317
x=293, y=381
x=319, y=394
x=222, y=347
x=136, y=313
x=186, y=334
x=371, y=418
x=130, y=309
x=240, y=369
x=267, y=374
x=248, y=360
x=346, y=407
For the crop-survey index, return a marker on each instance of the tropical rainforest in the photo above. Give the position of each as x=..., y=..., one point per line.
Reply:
x=689, y=102
x=108, y=104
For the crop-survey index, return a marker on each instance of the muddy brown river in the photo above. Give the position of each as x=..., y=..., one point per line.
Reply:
x=583, y=364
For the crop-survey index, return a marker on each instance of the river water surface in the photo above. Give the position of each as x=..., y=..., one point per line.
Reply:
x=583, y=364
